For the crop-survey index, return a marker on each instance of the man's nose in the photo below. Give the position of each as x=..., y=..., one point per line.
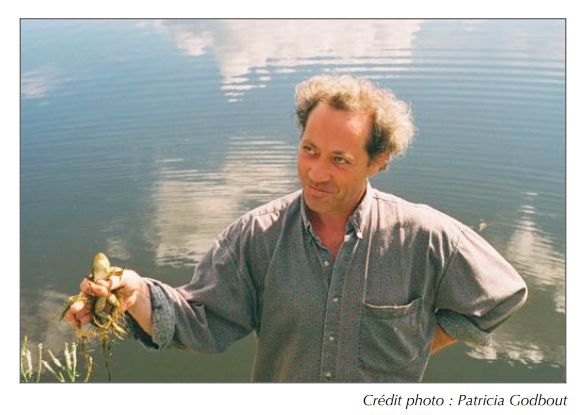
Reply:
x=319, y=171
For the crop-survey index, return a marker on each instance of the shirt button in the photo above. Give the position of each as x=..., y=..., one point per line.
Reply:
x=331, y=338
x=328, y=375
x=335, y=300
x=326, y=263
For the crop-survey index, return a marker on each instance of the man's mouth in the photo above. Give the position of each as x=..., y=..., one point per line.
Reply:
x=318, y=190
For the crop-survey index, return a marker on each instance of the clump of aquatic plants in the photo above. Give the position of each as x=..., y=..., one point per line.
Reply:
x=107, y=324
x=107, y=320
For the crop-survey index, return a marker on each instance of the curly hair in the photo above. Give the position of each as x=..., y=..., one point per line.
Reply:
x=392, y=129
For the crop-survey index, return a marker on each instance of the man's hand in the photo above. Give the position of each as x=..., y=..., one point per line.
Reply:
x=441, y=340
x=130, y=286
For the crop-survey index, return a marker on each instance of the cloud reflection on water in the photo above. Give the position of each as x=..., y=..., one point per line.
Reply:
x=40, y=323
x=534, y=254
x=38, y=82
x=244, y=49
x=192, y=207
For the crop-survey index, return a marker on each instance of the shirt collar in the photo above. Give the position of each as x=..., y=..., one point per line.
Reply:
x=356, y=221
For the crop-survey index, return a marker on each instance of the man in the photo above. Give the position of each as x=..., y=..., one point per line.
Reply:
x=339, y=281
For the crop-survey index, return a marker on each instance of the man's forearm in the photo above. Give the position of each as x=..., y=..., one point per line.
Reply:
x=441, y=340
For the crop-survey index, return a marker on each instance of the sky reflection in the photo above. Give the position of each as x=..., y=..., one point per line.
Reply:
x=244, y=48
x=38, y=83
x=535, y=255
x=191, y=206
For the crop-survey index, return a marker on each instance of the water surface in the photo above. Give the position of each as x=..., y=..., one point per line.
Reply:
x=146, y=138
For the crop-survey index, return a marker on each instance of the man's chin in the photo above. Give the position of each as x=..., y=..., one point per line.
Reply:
x=316, y=205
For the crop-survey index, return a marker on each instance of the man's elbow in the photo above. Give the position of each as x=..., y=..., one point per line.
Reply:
x=441, y=340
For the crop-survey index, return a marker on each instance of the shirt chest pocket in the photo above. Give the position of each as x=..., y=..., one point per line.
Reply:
x=391, y=336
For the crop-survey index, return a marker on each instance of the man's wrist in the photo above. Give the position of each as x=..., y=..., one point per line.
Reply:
x=141, y=309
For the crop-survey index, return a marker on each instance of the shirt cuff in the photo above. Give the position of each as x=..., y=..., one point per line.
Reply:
x=162, y=321
x=461, y=328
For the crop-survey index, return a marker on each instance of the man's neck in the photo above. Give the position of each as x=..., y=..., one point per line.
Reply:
x=333, y=221
x=330, y=229
x=328, y=222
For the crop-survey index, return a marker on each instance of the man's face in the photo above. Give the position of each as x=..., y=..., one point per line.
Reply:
x=333, y=164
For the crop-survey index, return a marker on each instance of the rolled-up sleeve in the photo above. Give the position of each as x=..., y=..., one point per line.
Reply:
x=478, y=290
x=162, y=319
x=214, y=310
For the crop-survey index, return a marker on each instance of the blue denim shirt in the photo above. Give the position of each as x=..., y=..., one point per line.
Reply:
x=368, y=315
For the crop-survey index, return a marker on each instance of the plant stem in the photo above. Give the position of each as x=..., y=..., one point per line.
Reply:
x=40, y=362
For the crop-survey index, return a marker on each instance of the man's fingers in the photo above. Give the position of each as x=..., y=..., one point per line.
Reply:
x=78, y=314
x=84, y=286
x=77, y=307
x=99, y=289
x=85, y=319
x=113, y=283
x=70, y=318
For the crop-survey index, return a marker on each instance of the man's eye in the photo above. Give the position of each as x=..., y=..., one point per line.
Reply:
x=309, y=150
x=340, y=160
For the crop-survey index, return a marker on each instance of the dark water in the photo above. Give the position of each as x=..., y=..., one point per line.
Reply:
x=144, y=139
